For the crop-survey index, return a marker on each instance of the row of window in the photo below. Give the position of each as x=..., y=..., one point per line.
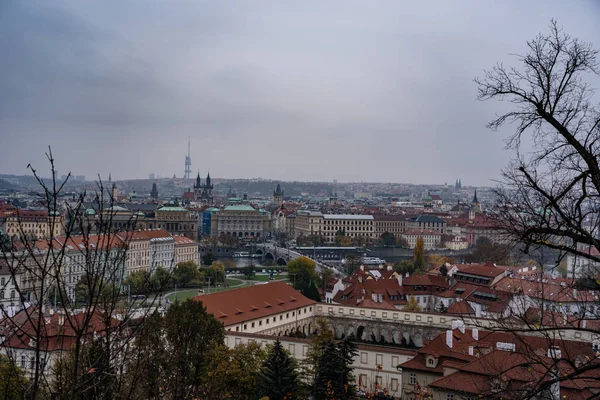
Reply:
x=273, y=319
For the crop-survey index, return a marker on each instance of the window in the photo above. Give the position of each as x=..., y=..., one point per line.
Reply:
x=379, y=359
x=430, y=361
x=394, y=385
x=364, y=357
x=23, y=362
x=253, y=324
x=413, y=378
x=449, y=396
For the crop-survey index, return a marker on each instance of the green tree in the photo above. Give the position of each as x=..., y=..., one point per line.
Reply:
x=190, y=332
x=419, y=254
x=161, y=279
x=185, y=273
x=412, y=305
x=388, y=239
x=404, y=267
x=278, y=376
x=325, y=277
x=148, y=369
x=303, y=275
x=13, y=384
x=215, y=272
x=229, y=241
x=208, y=259
x=139, y=282
x=333, y=379
x=248, y=270
x=92, y=376
x=90, y=289
x=487, y=251
x=352, y=262
x=322, y=336
x=232, y=373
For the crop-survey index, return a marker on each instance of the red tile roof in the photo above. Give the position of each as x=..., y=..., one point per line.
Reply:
x=239, y=305
x=460, y=308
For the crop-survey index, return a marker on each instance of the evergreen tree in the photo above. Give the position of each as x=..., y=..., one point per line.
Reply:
x=348, y=350
x=419, y=254
x=278, y=376
x=329, y=380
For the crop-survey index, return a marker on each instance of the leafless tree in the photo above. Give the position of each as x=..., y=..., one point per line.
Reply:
x=70, y=296
x=549, y=197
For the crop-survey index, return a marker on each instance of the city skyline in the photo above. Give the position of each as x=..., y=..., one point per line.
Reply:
x=305, y=92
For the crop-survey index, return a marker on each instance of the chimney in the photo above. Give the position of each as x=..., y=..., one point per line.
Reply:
x=362, y=267
x=449, y=339
x=390, y=267
x=470, y=350
x=475, y=333
x=399, y=279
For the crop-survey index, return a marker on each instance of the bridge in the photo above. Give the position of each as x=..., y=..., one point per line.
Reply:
x=281, y=256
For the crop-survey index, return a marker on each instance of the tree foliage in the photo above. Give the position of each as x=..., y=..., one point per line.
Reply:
x=412, y=305
x=208, y=258
x=278, y=375
x=190, y=333
x=13, y=384
x=187, y=273
x=248, y=270
x=488, y=251
x=303, y=275
x=419, y=254
x=233, y=373
x=388, y=239
x=405, y=267
x=333, y=378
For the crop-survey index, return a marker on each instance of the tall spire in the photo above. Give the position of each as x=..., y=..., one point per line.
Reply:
x=475, y=197
x=188, y=162
x=109, y=178
x=208, y=179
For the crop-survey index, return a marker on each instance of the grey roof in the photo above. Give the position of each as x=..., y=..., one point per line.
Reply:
x=349, y=216
x=428, y=218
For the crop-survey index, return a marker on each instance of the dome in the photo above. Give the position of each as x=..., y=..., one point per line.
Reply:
x=90, y=211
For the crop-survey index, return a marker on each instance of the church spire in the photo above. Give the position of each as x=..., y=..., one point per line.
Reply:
x=475, y=197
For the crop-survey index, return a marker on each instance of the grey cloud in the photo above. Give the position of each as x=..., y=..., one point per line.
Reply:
x=307, y=90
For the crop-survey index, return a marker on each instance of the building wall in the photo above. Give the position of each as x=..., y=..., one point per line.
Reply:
x=162, y=253
x=429, y=241
x=372, y=366
x=242, y=224
x=36, y=226
x=278, y=324
x=352, y=225
x=186, y=252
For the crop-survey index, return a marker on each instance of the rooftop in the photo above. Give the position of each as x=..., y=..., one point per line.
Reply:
x=239, y=207
x=349, y=216
x=235, y=306
x=172, y=209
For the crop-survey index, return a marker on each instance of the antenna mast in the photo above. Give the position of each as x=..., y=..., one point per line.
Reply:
x=188, y=163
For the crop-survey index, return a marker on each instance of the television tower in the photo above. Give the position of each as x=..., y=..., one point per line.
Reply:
x=188, y=163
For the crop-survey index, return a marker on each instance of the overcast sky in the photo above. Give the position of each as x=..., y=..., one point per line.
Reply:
x=293, y=90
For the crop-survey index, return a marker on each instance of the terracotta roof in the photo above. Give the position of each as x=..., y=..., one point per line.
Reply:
x=384, y=305
x=183, y=240
x=460, y=308
x=234, y=306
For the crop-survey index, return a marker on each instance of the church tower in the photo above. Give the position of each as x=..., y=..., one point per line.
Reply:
x=475, y=204
x=278, y=196
x=198, y=187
